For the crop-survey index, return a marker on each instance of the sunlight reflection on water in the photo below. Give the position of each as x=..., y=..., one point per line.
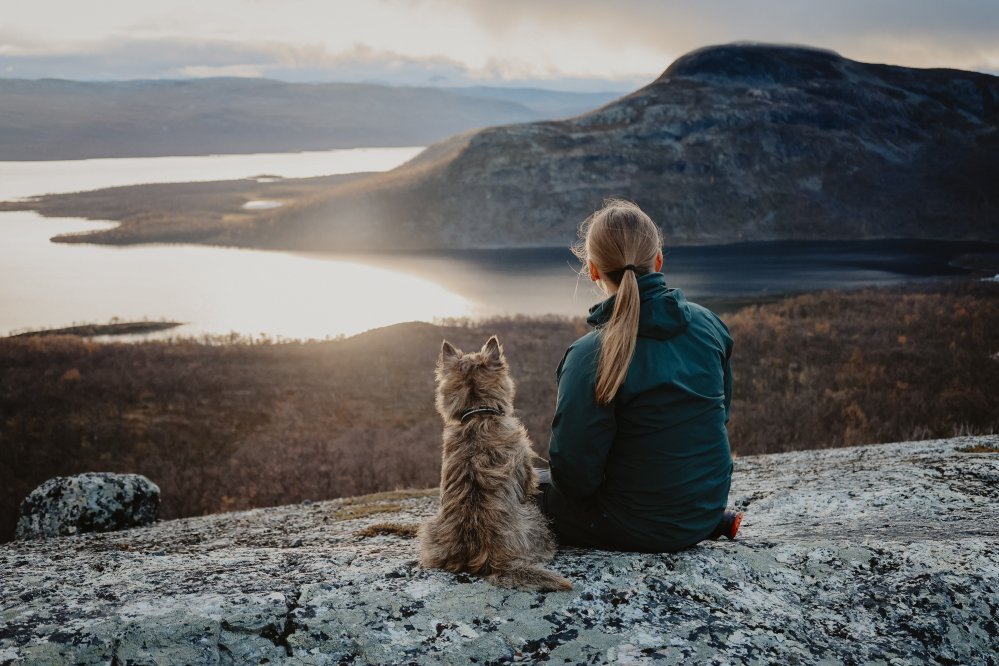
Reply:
x=217, y=290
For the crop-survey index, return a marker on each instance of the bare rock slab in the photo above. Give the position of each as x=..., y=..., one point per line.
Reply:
x=93, y=502
x=881, y=554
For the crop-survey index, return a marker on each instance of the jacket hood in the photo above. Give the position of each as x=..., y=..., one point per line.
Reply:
x=664, y=312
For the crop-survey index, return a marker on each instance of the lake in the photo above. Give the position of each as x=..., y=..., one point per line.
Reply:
x=25, y=179
x=320, y=295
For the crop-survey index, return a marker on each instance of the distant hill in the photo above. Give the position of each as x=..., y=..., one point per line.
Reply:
x=548, y=104
x=731, y=143
x=57, y=119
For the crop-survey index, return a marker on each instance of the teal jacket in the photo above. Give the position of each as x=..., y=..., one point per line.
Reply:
x=655, y=463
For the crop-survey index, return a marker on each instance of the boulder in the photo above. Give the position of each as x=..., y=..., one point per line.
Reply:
x=881, y=554
x=93, y=502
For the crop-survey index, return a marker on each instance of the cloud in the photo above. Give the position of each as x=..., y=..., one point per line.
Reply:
x=807, y=19
x=124, y=58
x=568, y=44
x=916, y=33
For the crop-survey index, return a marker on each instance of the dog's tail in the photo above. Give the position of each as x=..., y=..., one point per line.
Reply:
x=530, y=577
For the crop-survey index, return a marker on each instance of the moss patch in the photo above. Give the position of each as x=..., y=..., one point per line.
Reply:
x=360, y=510
x=388, y=495
x=978, y=448
x=388, y=501
x=388, y=529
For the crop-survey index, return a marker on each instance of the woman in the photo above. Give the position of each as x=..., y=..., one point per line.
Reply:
x=639, y=454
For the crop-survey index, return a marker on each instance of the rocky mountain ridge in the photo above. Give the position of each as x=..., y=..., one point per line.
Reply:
x=732, y=143
x=880, y=554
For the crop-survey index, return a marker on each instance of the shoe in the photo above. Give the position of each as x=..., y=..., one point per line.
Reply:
x=728, y=526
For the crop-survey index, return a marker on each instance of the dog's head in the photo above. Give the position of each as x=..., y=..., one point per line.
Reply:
x=474, y=380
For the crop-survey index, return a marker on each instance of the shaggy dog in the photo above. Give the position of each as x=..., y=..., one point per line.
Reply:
x=488, y=524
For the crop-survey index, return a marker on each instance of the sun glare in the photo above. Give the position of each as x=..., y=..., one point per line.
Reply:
x=213, y=290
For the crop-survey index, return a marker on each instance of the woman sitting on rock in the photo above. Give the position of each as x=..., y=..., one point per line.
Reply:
x=639, y=452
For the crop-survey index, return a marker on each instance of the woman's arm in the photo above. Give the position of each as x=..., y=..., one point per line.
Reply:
x=582, y=430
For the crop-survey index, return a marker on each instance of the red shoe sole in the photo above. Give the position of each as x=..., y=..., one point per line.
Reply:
x=736, y=522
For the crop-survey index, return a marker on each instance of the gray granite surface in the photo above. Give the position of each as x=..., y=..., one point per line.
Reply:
x=880, y=554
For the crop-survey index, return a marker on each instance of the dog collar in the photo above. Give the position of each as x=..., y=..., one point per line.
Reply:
x=468, y=413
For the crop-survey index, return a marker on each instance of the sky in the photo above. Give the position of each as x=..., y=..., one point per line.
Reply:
x=559, y=44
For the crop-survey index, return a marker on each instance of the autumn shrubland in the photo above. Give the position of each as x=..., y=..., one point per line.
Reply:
x=231, y=423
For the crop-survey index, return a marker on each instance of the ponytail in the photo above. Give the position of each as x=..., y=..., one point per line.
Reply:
x=618, y=340
x=622, y=242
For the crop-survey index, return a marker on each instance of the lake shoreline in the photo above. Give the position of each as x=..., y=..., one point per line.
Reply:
x=132, y=331
x=213, y=213
x=89, y=330
x=169, y=213
x=140, y=331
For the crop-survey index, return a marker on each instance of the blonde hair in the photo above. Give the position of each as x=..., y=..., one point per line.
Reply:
x=618, y=235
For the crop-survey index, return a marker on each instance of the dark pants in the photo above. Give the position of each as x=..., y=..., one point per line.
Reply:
x=586, y=525
x=575, y=525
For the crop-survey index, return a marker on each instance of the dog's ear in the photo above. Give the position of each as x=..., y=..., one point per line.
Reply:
x=448, y=353
x=493, y=350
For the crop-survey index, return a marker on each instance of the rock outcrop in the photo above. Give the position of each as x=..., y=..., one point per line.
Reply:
x=880, y=554
x=732, y=143
x=93, y=502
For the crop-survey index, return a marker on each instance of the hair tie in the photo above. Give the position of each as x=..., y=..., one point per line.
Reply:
x=629, y=267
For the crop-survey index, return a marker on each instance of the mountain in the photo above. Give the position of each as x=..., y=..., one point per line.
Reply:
x=732, y=143
x=56, y=119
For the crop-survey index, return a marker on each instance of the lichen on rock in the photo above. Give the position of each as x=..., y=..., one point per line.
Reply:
x=880, y=554
x=92, y=502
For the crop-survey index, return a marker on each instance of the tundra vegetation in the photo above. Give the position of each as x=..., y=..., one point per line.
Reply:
x=231, y=423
